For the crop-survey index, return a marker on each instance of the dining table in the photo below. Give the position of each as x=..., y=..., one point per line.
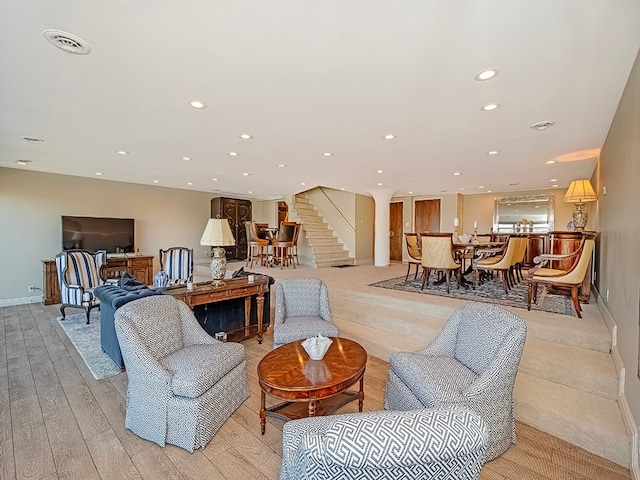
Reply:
x=462, y=249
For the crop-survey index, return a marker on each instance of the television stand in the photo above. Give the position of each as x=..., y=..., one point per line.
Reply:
x=138, y=266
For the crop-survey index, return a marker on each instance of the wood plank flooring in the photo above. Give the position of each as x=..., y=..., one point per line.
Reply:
x=58, y=422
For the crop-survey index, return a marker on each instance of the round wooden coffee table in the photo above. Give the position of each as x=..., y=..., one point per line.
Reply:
x=311, y=387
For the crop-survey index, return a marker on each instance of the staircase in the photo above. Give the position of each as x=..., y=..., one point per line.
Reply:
x=566, y=385
x=326, y=249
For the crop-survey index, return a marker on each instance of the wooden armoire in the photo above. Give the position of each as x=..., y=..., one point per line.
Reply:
x=237, y=211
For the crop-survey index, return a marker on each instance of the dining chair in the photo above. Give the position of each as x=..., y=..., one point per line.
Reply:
x=437, y=255
x=412, y=242
x=518, y=259
x=570, y=278
x=500, y=264
x=256, y=247
x=283, y=244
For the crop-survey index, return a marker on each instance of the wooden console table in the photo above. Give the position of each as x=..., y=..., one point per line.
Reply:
x=138, y=266
x=205, y=293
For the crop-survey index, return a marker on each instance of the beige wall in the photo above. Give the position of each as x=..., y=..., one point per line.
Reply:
x=617, y=219
x=31, y=204
x=365, y=229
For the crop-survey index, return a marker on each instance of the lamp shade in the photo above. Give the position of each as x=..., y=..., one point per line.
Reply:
x=580, y=191
x=217, y=233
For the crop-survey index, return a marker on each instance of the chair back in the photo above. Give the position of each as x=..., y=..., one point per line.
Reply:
x=520, y=250
x=287, y=232
x=156, y=320
x=301, y=296
x=576, y=274
x=413, y=246
x=437, y=251
x=506, y=261
x=177, y=262
x=81, y=267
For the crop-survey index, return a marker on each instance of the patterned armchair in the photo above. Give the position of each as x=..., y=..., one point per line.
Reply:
x=428, y=444
x=473, y=363
x=302, y=311
x=79, y=273
x=177, y=263
x=183, y=384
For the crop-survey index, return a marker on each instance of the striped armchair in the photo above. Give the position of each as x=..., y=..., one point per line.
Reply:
x=79, y=273
x=472, y=363
x=302, y=311
x=177, y=263
x=426, y=444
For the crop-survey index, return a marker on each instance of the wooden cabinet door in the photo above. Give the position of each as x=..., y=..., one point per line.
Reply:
x=427, y=217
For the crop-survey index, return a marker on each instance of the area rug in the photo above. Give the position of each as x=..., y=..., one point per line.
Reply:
x=490, y=291
x=86, y=339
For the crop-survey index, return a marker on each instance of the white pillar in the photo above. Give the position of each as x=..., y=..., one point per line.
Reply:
x=381, y=197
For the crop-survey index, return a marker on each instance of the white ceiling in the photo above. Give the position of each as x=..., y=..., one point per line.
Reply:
x=308, y=77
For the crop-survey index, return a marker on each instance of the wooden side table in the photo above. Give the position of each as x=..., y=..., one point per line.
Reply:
x=311, y=387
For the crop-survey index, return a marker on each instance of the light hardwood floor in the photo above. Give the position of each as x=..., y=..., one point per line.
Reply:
x=57, y=421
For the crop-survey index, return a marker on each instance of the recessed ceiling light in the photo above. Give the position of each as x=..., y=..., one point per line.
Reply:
x=410, y=193
x=513, y=184
x=186, y=158
x=490, y=106
x=379, y=184
x=481, y=186
x=341, y=188
x=302, y=183
x=281, y=165
x=380, y=171
x=99, y=174
x=214, y=179
x=156, y=181
x=122, y=152
x=486, y=74
x=389, y=136
x=489, y=191
x=553, y=180
x=22, y=161
x=189, y=183
x=249, y=191
x=245, y=174
x=32, y=139
x=493, y=152
x=461, y=189
x=199, y=104
x=549, y=162
x=456, y=173
x=234, y=154
x=327, y=154
x=245, y=136
x=443, y=191
x=554, y=185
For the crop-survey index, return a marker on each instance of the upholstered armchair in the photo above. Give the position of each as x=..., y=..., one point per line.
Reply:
x=437, y=255
x=302, y=311
x=442, y=443
x=177, y=263
x=472, y=363
x=570, y=278
x=413, y=250
x=79, y=273
x=183, y=384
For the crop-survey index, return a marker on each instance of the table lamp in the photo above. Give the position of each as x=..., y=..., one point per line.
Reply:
x=218, y=234
x=580, y=192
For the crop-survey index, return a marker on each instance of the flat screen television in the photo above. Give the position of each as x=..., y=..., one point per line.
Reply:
x=115, y=235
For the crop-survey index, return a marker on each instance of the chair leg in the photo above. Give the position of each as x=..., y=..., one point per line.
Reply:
x=576, y=300
x=62, y=307
x=415, y=277
x=529, y=295
x=425, y=277
x=408, y=271
x=504, y=281
x=446, y=277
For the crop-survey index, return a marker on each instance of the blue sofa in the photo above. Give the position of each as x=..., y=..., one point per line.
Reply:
x=111, y=298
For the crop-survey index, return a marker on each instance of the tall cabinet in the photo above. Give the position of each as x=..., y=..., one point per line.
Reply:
x=237, y=211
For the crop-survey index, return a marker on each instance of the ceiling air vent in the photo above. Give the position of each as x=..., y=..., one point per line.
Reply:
x=32, y=139
x=67, y=42
x=542, y=125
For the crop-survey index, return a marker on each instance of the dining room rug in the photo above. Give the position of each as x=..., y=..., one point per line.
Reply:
x=491, y=291
x=86, y=339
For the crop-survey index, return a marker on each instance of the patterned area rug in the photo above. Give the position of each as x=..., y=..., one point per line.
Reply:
x=86, y=339
x=490, y=292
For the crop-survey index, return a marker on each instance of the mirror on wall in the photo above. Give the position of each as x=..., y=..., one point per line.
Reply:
x=523, y=214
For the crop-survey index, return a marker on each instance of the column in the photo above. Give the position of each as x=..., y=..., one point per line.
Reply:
x=381, y=197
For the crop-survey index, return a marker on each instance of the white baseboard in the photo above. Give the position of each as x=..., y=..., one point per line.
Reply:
x=20, y=301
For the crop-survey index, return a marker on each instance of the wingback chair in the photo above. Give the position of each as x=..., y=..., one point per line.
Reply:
x=441, y=443
x=79, y=273
x=571, y=278
x=437, y=255
x=413, y=250
x=302, y=311
x=183, y=384
x=473, y=363
x=177, y=263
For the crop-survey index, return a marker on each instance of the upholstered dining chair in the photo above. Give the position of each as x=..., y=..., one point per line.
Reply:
x=177, y=263
x=435, y=444
x=570, y=278
x=413, y=250
x=79, y=273
x=437, y=255
x=257, y=247
x=518, y=259
x=284, y=243
x=183, y=384
x=473, y=363
x=499, y=263
x=302, y=311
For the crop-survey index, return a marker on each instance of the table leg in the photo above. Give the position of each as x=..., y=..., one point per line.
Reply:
x=260, y=307
x=263, y=412
x=312, y=408
x=361, y=394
